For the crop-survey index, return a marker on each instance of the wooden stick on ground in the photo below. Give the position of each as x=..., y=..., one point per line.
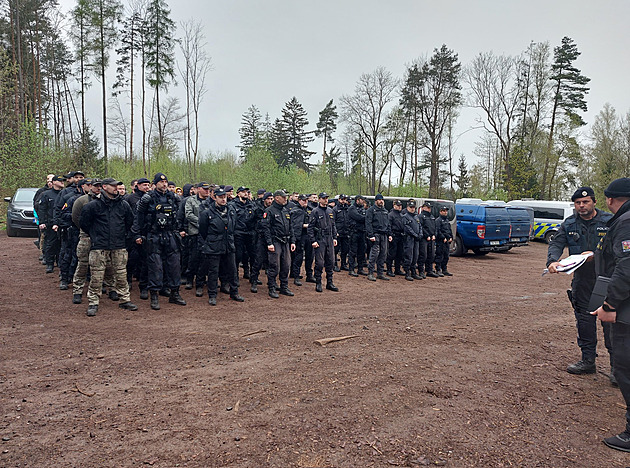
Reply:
x=325, y=341
x=253, y=333
x=76, y=386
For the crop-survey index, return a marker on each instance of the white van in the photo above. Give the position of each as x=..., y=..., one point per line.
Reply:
x=548, y=215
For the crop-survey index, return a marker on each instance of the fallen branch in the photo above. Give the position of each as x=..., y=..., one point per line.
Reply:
x=76, y=386
x=325, y=341
x=253, y=333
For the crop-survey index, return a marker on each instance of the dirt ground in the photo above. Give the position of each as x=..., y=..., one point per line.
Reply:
x=464, y=371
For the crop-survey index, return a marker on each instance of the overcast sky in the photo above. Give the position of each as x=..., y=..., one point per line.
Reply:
x=264, y=52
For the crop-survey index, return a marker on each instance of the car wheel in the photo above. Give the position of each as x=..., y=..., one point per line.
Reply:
x=11, y=232
x=458, y=247
x=549, y=236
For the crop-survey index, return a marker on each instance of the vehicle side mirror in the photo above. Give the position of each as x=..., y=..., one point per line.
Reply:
x=7, y=199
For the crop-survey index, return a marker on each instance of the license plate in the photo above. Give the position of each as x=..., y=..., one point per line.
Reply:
x=518, y=239
x=495, y=243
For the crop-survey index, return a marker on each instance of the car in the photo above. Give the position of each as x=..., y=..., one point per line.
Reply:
x=21, y=218
x=548, y=216
x=482, y=226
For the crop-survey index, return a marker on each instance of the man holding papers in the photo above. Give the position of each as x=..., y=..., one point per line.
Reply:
x=582, y=232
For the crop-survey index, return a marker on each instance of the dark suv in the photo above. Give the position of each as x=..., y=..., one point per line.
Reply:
x=20, y=216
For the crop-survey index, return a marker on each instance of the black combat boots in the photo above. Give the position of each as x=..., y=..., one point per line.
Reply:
x=175, y=298
x=155, y=301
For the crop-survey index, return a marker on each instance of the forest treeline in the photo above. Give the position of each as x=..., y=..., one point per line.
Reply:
x=395, y=135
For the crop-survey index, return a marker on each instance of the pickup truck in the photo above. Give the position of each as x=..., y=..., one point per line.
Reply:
x=481, y=227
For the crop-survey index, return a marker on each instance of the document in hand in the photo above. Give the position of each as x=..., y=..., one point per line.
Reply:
x=571, y=263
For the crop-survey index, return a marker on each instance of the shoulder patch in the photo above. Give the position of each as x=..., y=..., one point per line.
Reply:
x=265, y=214
x=625, y=245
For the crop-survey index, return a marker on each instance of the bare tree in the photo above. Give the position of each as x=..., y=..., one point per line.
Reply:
x=365, y=110
x=119, y=127
x=195, y=67
x=497, y=91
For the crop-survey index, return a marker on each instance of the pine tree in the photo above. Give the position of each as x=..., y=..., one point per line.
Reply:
x=160, y=53
x=569, y=92
x=463, y=179
x=251, y=130
x=297, y=138
x=327, y=125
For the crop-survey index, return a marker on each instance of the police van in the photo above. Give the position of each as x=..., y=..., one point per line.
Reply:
x=548, y=216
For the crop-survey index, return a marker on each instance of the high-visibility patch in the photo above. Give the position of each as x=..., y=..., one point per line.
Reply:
x=625, y=245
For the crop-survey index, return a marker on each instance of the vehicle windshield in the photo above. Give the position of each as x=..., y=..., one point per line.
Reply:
x=24, y=195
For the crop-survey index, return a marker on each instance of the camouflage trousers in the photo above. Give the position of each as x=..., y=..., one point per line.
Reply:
x=99, y=260
x=83, y=264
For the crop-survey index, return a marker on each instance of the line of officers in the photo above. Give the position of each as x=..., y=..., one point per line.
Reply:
x=93, y=231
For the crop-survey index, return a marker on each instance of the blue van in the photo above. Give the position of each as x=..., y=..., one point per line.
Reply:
x=481, y=227
x=522, y=222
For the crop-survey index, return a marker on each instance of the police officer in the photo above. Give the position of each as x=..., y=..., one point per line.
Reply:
x=579, y=233
x=379, y=233
x=322, y=234
x=216, y=228
x=396, y=246
x=260, y=253
x=192, y=209
x=443, y=239
x=413, y=233
x=45, y=211
x=356, y=221
x=155, y=226
x=278, y=234
x=427, y=244
x=106, y=220
x=612, y=260
x=137, y=262
x=342, y=223
x=299, y=221
x=244, y=231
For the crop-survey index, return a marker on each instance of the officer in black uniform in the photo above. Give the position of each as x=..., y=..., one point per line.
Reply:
x=244, y=230
x=299, y=221
x=216, y=227
x=582, y=232
x=396, y=246
x=413, y=233
x=427, y=244
x=356, y=222
x=46, y=211
x=322, y=234
x=342, y=223
x=379, y=233
x=137, y=262
x=155, y=226
x=443, y=239
x=260, y=253
x=612, y=260
x=278, y=234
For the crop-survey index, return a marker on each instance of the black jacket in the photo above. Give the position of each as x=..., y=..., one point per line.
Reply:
x=612, y=258
x=133, y=198
x=428, y=223
x=321, y=225
x=377, y=221
x=46, y=207
x=245, y=219
x=411, y=224
x=356, y=218
x=443, y=229
x=107, y=220
x=395, y=222
x=342, y=221
x=216, y=228
x=299, y=217
x=156, y=213
x=276, y=225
